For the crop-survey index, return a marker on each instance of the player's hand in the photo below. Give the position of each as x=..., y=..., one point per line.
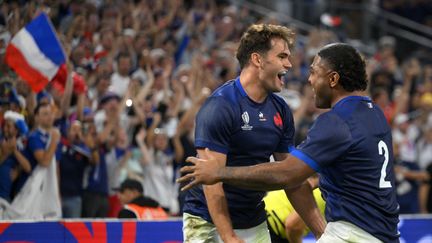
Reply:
x=203, y=171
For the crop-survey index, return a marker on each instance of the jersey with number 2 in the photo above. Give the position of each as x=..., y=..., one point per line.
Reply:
x=351, y=147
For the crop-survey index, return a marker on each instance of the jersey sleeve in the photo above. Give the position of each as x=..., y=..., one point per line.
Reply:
x=327, y=140
x=35, y=143
x=286, y=143
x=214, y=123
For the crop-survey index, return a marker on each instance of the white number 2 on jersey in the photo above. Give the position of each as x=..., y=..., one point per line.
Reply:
x=382, y=149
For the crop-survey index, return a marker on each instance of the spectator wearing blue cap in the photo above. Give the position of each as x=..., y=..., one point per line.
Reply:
x=11, y=156
x=44, y=97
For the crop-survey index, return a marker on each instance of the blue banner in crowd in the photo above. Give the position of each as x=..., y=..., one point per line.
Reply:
x=413, y=229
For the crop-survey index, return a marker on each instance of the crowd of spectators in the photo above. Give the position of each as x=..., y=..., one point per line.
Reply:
x=419, y=11
x=138, y=72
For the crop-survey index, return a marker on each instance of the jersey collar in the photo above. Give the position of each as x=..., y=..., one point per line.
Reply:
x=353, y=97
x=240, y=87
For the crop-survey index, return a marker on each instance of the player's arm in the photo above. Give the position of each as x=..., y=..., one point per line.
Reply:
x=294, y=228
x=217, y=203
x=290, y=172
x=302, y=199
x=322, y=147
x=214, y=128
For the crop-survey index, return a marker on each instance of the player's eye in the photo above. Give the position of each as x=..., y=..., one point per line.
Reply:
x=282, y=56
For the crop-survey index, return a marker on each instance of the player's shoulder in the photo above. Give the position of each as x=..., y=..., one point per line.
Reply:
x=226, y=93
x=220, y=103
x=358, y=111
x=331, y=117
x=226, y=97
x=350, y=105
x=332, y=124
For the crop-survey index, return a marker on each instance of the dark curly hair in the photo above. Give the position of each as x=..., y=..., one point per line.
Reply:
x=348, y=63
x=257, y=38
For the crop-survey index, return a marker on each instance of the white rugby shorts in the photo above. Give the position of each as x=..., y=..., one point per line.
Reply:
x=198, y=230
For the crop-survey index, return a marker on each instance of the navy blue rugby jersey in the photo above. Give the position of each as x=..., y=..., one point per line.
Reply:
x=351, y=147
x=231, y=123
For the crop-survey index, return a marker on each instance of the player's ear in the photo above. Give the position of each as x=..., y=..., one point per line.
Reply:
x=334, y=79
x=256, y=59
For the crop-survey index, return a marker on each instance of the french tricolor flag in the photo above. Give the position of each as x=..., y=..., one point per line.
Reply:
x=35, y=53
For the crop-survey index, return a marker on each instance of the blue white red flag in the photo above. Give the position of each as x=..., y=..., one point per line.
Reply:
x=35, y=53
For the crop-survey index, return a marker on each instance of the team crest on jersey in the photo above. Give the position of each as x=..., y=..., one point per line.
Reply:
x=261, y=117
x=245, y=118
x=277, y=120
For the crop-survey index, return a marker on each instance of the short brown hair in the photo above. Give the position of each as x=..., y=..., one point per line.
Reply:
x=257, y=38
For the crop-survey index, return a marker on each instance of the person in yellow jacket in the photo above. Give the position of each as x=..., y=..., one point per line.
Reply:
x=284, y=224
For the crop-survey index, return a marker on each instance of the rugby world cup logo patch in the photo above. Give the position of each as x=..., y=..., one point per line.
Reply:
x=245, y=118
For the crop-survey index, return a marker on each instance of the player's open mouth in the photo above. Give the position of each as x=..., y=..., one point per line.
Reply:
x=281, y=74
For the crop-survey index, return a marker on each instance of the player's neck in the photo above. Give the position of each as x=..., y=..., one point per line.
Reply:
x=252, y=86
x=345, y=94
